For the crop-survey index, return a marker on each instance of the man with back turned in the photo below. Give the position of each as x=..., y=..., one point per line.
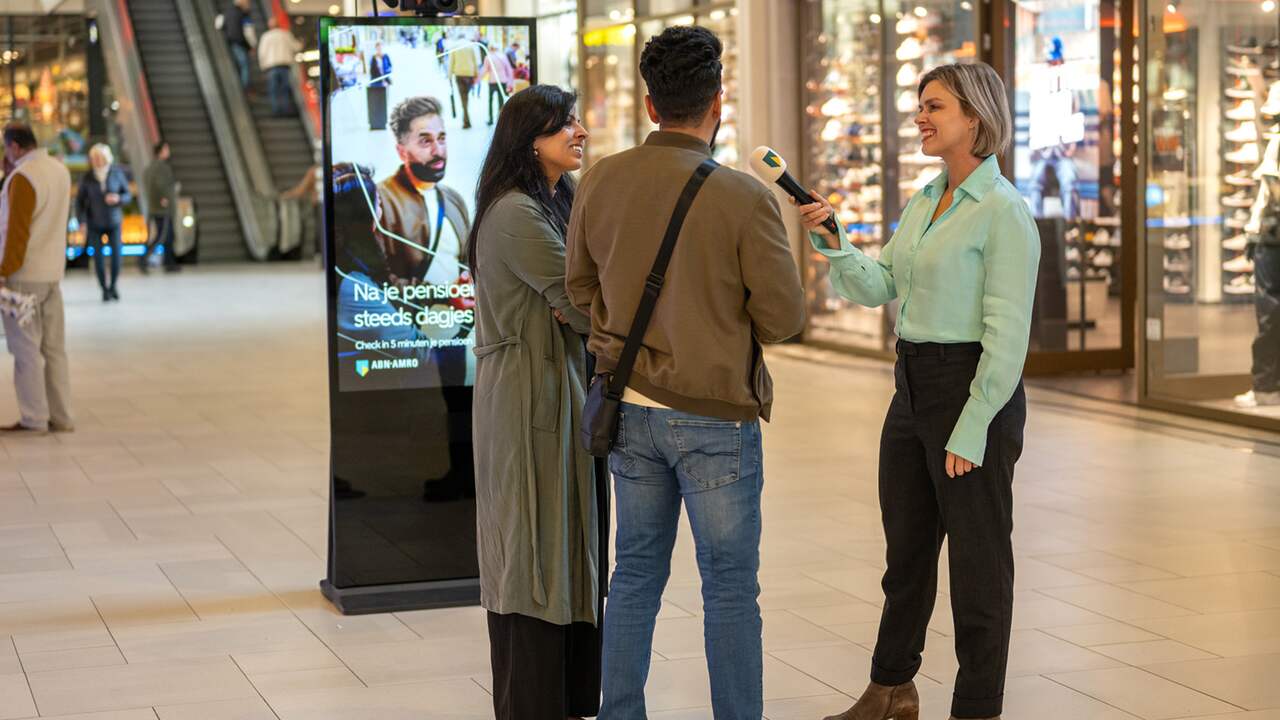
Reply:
x=689, y=428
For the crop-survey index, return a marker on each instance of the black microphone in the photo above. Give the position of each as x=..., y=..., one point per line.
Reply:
x=770, y=166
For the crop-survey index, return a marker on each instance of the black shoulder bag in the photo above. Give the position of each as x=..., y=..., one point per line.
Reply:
x=600, y=417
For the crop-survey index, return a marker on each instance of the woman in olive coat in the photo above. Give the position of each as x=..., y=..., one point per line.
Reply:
x=539, y=496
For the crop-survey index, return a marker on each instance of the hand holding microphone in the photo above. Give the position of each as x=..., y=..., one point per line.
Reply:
x=817, y=213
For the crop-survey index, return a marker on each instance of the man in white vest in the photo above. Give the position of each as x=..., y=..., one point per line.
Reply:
x=34, y=204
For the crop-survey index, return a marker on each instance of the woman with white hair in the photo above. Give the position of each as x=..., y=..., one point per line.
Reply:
x=963, y=261
x=104, y=192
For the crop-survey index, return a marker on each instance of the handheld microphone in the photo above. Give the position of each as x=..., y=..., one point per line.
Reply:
x=770, y=166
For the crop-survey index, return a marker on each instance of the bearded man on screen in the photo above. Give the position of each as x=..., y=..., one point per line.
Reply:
x=426, y=222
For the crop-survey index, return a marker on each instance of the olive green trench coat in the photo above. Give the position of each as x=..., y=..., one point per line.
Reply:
x=536, y=491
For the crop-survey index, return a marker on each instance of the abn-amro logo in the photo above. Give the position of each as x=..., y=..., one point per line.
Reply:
x=362, y=367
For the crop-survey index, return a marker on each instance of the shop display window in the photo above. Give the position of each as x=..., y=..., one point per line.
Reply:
x=865, y=60
x=1066, y=163
x=1212, y=203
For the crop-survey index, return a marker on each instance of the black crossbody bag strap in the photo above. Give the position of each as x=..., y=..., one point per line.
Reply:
x=657, y=276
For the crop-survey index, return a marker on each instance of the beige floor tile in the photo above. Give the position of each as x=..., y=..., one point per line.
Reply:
x=418, y=660
x=1102, y=634
x=808, y=708
x=282, y=684
x=1152, y=652
x=243, y=709
x=124, y=610
x=1248, y=682
x=1216, y=593
x=846, y=668
x=464, y=699
x=134, y=714
x=72, y=659
x=1259, y=715
x=1127, y=573
x=279, y=661
x=1225, y=634
x=1116, y=602
x=212, y=638
x=1142, y=693
x=1207, y=559
x=140, y=685
x=15, y=697
x=64, y=640
x=845, y=614
x=447, y=623
x=703, y=713
x=1042, y=699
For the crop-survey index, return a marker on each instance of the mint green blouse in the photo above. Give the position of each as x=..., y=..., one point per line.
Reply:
x=969, y=277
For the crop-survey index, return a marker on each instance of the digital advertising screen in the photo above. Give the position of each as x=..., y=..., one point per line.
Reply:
x=411, y=107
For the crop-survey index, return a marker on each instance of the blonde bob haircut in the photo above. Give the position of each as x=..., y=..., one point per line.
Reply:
x=982, y=96
x=103, y=151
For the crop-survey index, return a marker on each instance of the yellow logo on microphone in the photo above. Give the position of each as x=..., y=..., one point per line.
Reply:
x=772, y=160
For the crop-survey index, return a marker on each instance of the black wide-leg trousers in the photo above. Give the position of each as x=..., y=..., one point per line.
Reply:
x=920, y=506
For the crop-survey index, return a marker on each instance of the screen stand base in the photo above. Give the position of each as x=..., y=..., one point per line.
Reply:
x=402, y=597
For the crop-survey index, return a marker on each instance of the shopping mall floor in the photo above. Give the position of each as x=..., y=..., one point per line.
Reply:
x=162, y=561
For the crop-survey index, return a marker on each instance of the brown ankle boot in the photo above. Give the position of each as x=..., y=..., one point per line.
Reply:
x=884, y=702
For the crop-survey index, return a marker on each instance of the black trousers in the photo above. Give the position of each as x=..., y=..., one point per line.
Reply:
x=495, y=95
x=162, y=233
x=1266, y=346
x=102, y=239
x=920, y=506
x=465, y=83
x=543, y=671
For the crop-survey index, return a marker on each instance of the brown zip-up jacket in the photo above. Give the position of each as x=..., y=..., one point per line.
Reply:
x=732, y=284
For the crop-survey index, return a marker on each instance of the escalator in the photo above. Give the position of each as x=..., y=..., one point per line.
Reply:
x=184, y=122
x=285, y=140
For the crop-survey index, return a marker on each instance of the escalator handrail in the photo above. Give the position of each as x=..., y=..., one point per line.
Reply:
x=124, y=68
x=248, y=174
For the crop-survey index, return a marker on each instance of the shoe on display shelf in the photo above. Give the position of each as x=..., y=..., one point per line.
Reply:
x=836, y=107
x=1241, y=285
x=1255, y=399
x=1177, y=242
x=1072, y=255
x=1249, y=46
x=910, y=49
x=1176, y=286
x=1241, y=179
x=1102, y=238
x=1236, y=243
x=1239, y=199
x=908, y=75
x=1238, y=219
x=1073, y=273
x=1177, y=265
x=1272, y=107
x=1244, y=70
x=1248, y=154
x=1245, y=110
x=1238, y=264
x=1234, y=94
x=1245, y=132
x=908, y=24
x=907, y=102
x=1104, y=259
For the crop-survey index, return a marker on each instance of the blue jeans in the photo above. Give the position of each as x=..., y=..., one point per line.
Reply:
x=240, y=54
x=101, y=239
x=280, y=91
x=664, y=457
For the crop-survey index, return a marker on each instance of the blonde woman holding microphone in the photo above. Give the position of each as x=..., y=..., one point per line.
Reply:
x=963, y=262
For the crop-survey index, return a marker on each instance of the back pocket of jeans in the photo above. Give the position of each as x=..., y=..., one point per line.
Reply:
x=710, y=451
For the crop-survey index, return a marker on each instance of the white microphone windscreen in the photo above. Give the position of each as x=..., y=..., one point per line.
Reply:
x=768, y=164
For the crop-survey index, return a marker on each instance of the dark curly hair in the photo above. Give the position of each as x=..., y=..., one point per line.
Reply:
x=355, y=195
x=682, y=70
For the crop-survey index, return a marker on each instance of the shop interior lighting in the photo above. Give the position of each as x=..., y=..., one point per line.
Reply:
x=966, y=6
x=920, y=11
x=1171, y=8
x=721, y=14
x=1268, y=6
x=875, y=18
x=334, y=10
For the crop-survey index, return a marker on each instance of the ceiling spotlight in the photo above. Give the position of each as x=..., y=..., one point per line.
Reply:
x=921, y=12
x=875, y=18
x=1268, y=6
x=1171, y=8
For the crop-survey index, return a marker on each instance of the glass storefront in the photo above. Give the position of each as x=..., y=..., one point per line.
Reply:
x=1212, y=198
x=47, y=80
x=865, y=59
x=613, y=35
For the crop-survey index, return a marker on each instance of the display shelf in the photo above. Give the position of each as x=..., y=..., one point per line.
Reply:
x=1251, y=113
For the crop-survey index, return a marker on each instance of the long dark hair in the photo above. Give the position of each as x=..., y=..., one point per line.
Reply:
x=532, y=113
x=355, y=195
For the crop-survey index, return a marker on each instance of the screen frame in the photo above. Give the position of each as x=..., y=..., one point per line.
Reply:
x=345, y=407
